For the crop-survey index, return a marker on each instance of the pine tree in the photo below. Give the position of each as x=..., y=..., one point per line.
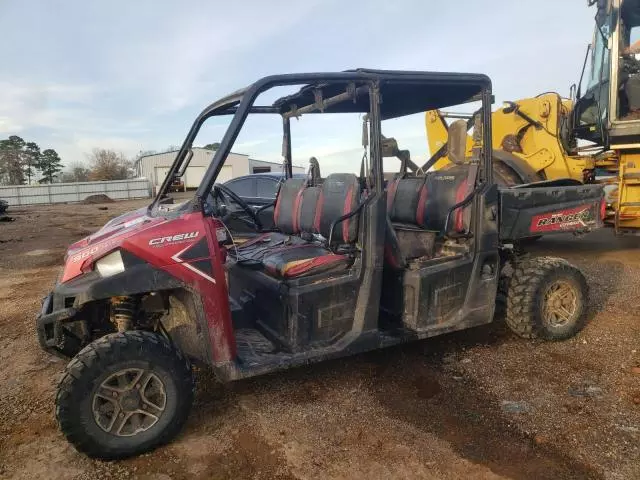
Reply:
x=31, y=160
x=12, y=158
x=50, y=165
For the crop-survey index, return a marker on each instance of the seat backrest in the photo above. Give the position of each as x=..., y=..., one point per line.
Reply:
x=339, y=195
x=285, y=212
x=404, y=197
x=307, y=210
x=425, y=201
x=444, y=189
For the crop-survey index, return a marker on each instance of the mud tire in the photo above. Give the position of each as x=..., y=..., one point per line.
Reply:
x=106, y=356
x=530, y=293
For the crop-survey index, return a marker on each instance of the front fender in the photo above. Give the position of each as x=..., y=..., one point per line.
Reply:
x=135, y=280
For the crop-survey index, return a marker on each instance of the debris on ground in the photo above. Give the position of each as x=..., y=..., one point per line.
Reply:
x=511, y=406
x=103, y=208
x=99, y=198
x=6, y=218
x=585, y=390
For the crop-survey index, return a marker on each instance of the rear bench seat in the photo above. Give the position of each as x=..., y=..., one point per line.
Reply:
x=301, y=213
x=417, y=210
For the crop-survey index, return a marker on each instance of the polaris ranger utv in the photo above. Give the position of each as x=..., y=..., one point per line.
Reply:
x=353, y=263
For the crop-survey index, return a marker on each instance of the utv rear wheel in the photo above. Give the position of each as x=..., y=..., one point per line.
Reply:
x=124, y=394
x=547, y=299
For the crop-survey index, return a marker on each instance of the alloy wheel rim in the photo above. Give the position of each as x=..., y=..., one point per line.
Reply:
x=560, y=303
x=129, y=401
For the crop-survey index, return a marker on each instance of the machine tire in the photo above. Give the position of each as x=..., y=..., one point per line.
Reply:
x=159, y=397
x=536, y=282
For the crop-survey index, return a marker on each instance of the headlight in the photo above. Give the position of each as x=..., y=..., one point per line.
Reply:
x=110, y=264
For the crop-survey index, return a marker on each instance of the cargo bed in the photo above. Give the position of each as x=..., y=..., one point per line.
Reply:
x=553, y=207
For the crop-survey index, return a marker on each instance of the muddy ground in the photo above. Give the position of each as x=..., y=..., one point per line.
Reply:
x=476, y=404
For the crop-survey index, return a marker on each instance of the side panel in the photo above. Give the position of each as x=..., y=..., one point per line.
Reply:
x=187, y=249
x=459, y=292
x=538, y=210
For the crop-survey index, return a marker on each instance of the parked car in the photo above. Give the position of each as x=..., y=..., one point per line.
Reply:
x=259, y=191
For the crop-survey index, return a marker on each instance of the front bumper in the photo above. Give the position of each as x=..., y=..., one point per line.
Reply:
x=52, y=336
x=72, y=302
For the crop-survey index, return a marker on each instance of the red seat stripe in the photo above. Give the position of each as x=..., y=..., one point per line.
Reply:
x=296, y=209
x=316, y=219
x=345, y=210
x=391, y=194
x=390, y=257
x=461, y=194
x=312, y=263
x=276, y=210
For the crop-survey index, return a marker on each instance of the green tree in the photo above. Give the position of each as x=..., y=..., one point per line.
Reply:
x=31, y=160
x=50, y=165
x=212, y=146
x=12, y=157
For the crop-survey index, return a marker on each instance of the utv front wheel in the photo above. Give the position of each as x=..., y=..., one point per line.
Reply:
x=547, y=299
x=124, y=394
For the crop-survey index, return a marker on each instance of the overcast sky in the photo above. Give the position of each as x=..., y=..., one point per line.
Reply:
x=132, y=75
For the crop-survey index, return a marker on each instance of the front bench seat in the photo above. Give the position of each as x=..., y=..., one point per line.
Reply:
x=338, y=196
x=285, y=219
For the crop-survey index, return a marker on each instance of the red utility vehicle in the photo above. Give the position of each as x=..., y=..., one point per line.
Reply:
x=351, y=265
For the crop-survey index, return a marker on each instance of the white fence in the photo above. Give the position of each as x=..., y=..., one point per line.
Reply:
x=75, y=192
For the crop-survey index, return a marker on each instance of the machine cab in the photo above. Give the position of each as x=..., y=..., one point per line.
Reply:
x=607, y=111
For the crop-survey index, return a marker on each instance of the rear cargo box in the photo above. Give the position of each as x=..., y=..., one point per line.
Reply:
x=544, y=208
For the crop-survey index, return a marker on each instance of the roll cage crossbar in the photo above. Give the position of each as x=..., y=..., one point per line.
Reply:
x=382, y=94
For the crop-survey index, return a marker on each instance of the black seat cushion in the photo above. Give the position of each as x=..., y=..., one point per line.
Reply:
x=405, y=200
x=303, y=260
x=340, y=195
x=425, y=201
x=285, y=212
x=255, y=249
x=444, y=189
x=307, y=209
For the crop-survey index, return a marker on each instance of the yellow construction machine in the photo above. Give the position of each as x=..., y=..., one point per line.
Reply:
x=591, y=137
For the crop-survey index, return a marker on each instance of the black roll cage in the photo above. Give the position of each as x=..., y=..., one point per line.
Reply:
x=346, y=89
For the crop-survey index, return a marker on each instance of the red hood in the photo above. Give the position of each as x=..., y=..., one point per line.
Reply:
x=113, y=227
x=81, y=254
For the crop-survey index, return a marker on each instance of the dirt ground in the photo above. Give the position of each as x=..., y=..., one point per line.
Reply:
x=476, y=404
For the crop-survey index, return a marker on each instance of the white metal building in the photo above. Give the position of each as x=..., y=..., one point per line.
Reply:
x=155, y=167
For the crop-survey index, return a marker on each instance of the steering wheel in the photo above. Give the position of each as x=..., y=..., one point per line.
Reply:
x=223, y=193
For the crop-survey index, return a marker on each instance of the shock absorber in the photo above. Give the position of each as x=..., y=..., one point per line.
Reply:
x=123, y=311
